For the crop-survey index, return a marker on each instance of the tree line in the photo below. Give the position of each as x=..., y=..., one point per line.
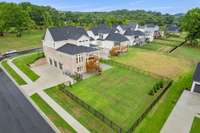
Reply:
x=15, y=18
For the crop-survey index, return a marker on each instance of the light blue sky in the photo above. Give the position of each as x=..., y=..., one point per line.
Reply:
x=164, y=6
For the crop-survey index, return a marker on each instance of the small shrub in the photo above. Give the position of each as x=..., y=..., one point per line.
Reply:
x=151, y=92
x=61, y=86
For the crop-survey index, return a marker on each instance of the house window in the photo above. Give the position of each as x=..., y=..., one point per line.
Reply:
x=79, y=58
x=55, y=63
x=60, y=65
x=79, y=69
x=50, y=61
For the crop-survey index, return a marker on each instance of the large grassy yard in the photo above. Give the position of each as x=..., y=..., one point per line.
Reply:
x=155, y=62
x=117, y=91
x=31, y=39
x=23, y=62
x=52, y=115
x=195, y=125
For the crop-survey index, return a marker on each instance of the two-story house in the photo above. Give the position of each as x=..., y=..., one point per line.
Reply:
x=68, y=49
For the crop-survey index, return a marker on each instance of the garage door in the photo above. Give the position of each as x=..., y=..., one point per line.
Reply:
x=197, y=88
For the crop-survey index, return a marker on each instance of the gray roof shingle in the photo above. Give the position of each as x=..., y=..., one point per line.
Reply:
x=134, y=33
x=196, y=76
x=74, y=49
x=172, y=28
x=67, y=32
x=103, y=28
x=116, y=37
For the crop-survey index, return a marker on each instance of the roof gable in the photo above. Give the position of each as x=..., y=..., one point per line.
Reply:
x=67, y=32
x=134, y=33
x=116, y=37
x=103, y=28
x=74, y=49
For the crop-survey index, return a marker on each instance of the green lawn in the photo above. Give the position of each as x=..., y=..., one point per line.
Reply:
x=188, y=53
x=88, y=120
x=23, y=62
x=195, y=125
x=15, y=76
x=117, y=91
x=31, y=39
x=156, y=118
x=52, y=115
x=157, y=47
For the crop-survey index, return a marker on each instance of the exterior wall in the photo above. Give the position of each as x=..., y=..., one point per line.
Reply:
x=69, y=64
x=133, y=41
x=48, y=40
x=83, y=40
x=193, y=85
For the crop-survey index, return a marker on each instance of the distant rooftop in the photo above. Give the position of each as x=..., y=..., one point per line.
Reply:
x=102, y=28
x=134, y=33
x=73, y=49
x=116, y=37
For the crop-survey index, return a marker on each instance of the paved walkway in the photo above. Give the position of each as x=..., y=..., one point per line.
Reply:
x=46, y=80
x=181, y=118
x=26, y=78
x=66, y=116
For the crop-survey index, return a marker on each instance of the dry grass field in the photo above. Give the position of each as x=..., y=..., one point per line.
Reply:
x=155, y=62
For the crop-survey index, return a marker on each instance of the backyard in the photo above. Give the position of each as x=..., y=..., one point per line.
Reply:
x=117, y=91
x=30, y=39
x=155, y=62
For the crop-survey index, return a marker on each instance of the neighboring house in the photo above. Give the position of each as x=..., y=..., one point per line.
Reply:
x=150, y=31
x=99, y=32
x=172, y=28
x=114, y=41
x=68, y=49
x=196, y=80
x=135, y=37
x=123, y=28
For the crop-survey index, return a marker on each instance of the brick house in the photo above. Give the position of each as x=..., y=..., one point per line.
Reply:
x=68, y=49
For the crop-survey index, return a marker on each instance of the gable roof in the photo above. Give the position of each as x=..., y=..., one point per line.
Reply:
x=134, y=33
x=196, y=76
x=173, y=28
x=74, y=49
x=116, y=37
x=67, y=32
x=150, y=25
x=102, y=28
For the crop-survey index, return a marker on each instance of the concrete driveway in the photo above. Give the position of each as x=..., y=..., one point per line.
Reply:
x=49, y=76
x=181, y=118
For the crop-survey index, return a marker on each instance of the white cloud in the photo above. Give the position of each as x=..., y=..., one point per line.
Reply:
x=136, y=2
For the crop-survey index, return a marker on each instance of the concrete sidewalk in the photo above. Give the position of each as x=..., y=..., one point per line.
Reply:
x=181, y=118
x=18, y=71
x=65, y=115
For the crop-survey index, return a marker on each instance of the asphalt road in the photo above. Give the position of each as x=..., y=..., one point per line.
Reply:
x=17, y=115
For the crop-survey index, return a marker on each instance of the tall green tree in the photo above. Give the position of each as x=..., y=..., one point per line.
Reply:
x=191, y=24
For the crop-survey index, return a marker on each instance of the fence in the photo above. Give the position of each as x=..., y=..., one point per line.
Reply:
x=99, y=115
x=172, y=50
x=137, y=122
x=111, y=62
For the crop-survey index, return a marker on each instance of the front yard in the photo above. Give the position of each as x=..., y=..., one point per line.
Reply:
x=23, y=63
x=52, y=115
x=155, y=62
